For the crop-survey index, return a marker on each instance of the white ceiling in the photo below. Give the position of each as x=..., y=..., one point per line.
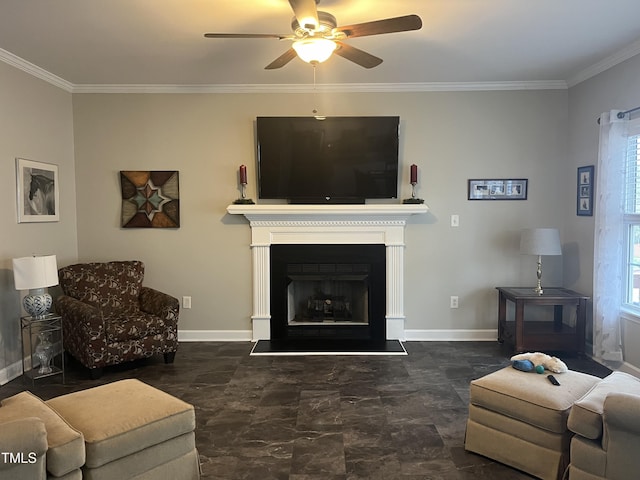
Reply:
x=160, y=42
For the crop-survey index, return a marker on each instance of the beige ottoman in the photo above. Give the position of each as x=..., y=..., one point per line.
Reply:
x=520, y=419
x=132, y=430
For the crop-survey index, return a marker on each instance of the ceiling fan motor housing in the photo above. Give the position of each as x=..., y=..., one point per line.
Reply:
x=327, y=24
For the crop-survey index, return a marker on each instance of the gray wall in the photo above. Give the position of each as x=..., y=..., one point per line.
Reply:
x=451, y=137
x=36, y=123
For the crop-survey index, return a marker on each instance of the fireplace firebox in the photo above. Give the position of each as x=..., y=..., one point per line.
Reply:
x=328, y=292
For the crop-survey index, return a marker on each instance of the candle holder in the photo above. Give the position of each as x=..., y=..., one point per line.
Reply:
x=243, y=200
x=413, y=198
x=413, y=182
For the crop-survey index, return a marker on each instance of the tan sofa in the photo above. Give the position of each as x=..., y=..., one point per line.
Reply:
x=24, y=418
x=606, y=423
x=121, y=430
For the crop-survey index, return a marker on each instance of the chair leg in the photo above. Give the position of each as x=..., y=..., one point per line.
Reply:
x=169, y=357
x=95, y=373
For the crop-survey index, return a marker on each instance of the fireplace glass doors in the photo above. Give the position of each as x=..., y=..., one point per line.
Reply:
x=328, y=292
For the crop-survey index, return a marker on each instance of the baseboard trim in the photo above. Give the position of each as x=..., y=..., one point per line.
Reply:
x=460, y=335
x=214, y=335
x=10, y=372
x=630, y=369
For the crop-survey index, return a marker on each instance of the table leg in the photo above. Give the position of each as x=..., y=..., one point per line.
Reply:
x=502, y=316
x=557, y=317
x=519, y=326
x=581, y=320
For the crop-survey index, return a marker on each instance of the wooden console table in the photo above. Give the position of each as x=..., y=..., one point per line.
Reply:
x=544, y=336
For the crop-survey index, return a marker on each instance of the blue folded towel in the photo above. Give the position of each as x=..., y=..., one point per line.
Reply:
x=524, y=365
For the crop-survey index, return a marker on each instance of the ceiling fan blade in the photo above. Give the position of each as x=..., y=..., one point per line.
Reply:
x=377, y=27
x=356, y=55
x=306, y=13
x=279, y=36
x=282, y=60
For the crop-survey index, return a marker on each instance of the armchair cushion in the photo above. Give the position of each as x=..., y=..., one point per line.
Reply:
x=110, y=285
x=585, y=418
x=124, y=326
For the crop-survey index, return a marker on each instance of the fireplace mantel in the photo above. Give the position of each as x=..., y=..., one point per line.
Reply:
x=328, y=224
x=353, y=213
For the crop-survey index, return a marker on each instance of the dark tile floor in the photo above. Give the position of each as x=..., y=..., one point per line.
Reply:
x=323, y=417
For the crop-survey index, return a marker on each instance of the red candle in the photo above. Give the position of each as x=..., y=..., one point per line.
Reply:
x=243, y=174
x=414, y=173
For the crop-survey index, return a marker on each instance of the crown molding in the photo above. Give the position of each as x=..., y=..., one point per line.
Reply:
x=605, y=64
x=328, y=88
x=34, y=70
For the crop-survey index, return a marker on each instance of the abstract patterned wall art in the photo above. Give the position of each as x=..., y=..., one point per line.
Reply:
x=150, y=199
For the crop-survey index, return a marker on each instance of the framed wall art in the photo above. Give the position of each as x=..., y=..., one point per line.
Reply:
x=38, y=191
x=498, y=189
x=586, y=179
x=150, y=199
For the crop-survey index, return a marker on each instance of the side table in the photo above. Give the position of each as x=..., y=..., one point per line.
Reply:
x=529, y=334
x=42, y=346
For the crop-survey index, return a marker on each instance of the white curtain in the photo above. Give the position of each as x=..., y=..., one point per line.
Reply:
x=609, y=249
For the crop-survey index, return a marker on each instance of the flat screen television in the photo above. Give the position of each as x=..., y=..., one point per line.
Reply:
x=329, y=160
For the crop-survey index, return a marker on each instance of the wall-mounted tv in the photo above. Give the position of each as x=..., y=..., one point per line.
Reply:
x=327, y=160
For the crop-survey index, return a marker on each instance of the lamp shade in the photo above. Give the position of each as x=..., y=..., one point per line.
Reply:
x=540, y=241
x=35, y=272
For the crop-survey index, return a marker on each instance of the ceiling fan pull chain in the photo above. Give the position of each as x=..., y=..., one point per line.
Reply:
x=315, y=91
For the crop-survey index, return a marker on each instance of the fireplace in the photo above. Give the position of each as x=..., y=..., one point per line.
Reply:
x=359, y=226
x=328, y=292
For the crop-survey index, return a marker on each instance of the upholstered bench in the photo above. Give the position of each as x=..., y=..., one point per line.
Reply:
x=520, y=419
x=132, y=430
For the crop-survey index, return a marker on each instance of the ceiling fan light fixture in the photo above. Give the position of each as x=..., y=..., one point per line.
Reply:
x=314, y=50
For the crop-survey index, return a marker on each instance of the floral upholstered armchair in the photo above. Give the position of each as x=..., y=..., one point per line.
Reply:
x=108, y=317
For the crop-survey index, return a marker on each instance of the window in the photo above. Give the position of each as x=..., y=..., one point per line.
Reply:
x=632, y=218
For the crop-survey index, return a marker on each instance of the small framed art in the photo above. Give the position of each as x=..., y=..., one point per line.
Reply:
x=586, y=179
x=38, y=191
x=498, y=189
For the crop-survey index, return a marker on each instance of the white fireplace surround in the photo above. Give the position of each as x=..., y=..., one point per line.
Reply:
x=327, y=224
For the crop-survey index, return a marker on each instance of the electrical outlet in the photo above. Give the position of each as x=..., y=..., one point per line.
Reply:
x=455, y=220
x=186, y=302
x=454, y=301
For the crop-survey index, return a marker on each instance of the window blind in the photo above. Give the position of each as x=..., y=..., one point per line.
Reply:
x=632, y=169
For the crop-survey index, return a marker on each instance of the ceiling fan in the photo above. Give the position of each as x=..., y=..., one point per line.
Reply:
x=316, y=35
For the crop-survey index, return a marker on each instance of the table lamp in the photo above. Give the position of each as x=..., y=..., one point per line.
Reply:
x=35, y=273
x=540, y=241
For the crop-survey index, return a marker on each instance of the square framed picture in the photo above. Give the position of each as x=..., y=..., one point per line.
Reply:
x=38, y=191
x=498, y=189
x=586, y=184
x=150, y=198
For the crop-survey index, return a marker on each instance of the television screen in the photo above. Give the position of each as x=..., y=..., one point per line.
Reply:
x=329, y=160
